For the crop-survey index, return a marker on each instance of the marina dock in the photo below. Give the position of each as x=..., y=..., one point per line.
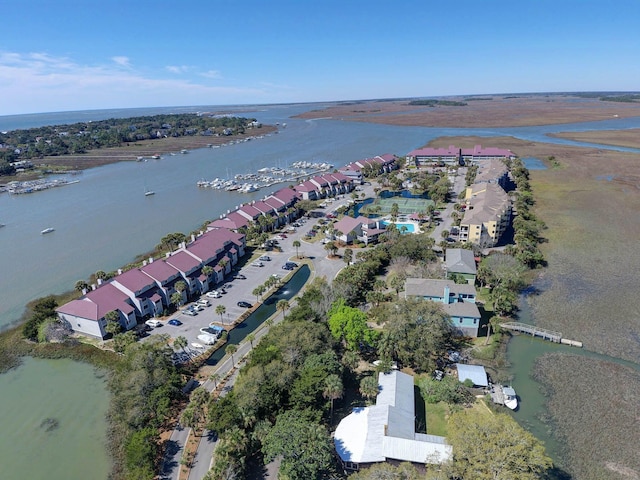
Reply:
x=543, y=333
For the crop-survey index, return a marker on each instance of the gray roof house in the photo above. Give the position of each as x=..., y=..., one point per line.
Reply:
x=386, y=430
x=458, y=300
x=462, y=262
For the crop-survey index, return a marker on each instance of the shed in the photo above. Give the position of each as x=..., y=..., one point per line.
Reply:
x=475, y=373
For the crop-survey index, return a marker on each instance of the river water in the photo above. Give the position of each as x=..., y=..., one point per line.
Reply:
x=105, y=220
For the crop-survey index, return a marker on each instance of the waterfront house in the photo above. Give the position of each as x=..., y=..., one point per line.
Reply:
x=86, y=315
x=233, y=221
x=493, y=171
x=191, y=270
x=308, y=190
x=458, y=301
x=164, y=275
x=143, y=291
x=386, y=431
x=460, y=261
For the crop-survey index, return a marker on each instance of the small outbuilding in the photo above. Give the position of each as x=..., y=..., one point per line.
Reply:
x=475, y=373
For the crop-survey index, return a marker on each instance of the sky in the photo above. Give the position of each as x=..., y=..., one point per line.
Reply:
x=83, y=54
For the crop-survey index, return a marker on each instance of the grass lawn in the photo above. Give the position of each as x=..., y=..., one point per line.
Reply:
x=437, y=414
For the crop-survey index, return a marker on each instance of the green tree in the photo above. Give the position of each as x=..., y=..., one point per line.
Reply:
x=296, y=244
x=305, y=447
x=350, y=325
x=122, y=340
x=251, y=338
x=230, y=350
x=141, y=450
x=416, y=333
x=282, y=305
x=176, y=299
x=113, y=326
x=347, y=257
x=81, y=285
x=333, y=389
x=494, y=446
x=369, y=387
x=221, y=310
x=180, y=342
x=207, y=271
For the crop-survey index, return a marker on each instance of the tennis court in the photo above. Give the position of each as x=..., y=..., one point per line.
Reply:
x=382, y=206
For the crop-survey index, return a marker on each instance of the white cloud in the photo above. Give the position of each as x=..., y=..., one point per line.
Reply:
x=39, y=82
x=215, y=74
x=177, y=68
x=122, y=61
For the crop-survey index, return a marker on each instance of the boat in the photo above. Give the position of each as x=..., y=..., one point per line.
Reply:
x=47, y=230
x=148, y=193
x=510, y=397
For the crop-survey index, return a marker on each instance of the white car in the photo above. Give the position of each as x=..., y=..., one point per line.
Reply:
x=204, y=302
x=213, y=294
x=258, y=264
x=153, y=323
x=265, y=258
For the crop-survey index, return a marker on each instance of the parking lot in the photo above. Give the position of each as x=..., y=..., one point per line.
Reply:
x=241, y=282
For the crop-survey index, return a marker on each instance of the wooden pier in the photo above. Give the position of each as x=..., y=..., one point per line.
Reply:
x=543, y=333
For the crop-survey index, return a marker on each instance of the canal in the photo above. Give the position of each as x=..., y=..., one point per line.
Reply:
x=263, y=312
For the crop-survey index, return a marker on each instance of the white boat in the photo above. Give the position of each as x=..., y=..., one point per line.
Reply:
x=149, y=193
x=47, y=230
x=510, y=397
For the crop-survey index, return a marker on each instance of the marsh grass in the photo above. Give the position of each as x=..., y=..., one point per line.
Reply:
x=594, y=410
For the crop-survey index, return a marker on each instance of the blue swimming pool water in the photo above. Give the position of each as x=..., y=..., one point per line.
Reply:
x=410, y=226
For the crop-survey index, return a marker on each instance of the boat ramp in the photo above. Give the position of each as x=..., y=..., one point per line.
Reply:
x=543, y=333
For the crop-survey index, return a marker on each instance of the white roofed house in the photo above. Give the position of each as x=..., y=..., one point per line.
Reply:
x=386, y=430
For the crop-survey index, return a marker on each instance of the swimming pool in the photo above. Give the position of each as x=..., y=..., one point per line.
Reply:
x=410, y=227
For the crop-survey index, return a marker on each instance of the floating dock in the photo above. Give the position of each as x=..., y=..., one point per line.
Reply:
x=543, y=333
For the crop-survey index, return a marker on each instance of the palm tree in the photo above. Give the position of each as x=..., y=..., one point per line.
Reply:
x=282, y=305
x=215, y=378
x=81, y=285
x=330, y=247
x=333, y=389
x=251, y=337
x=176, y=299
x=369, y=387
x=101, y=274
x=180, y=287
x=221, y=310
x=207, y=270
x=230, y=350
x=347, y=256
x=180, y=342
x=296, y=244
x=113, y=325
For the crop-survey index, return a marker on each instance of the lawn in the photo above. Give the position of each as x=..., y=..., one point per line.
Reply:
x=437, y=414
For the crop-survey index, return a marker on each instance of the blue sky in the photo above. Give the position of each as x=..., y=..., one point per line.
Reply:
x=83, y=54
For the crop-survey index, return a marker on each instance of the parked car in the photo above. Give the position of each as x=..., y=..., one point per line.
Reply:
x=207, y=339
x=175, y=322
x=204, y=302
x=198, y=307
x=257, y=264
x=240, y=277
x=189, y=312
x=244, y=304
x=213, y=294
x=153, y=323
x=265, y=258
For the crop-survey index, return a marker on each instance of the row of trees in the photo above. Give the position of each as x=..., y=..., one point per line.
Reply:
x=82, y=137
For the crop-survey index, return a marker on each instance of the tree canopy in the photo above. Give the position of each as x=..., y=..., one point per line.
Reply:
x=350, y=325
x=493, y=446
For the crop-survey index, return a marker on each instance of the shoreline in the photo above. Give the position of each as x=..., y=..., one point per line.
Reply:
x=130, y=152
